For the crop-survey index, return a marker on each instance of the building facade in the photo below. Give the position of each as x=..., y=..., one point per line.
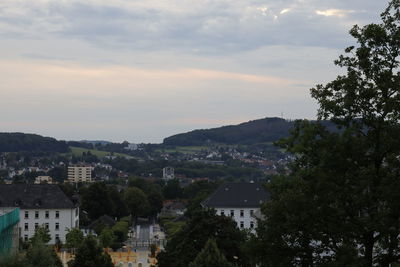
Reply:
x=168, y=173
x=240, y=201
x=79, y=173
x=41, y=205
x=43, y=180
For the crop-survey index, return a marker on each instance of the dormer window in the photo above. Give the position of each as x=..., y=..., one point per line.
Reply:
x=38, y=203
x=18, y=202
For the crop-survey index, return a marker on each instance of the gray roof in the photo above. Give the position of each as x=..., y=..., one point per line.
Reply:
x=105, y=220
x=238, y=195
x=34, y=196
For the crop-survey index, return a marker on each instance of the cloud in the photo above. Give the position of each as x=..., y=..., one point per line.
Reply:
x=203, y=26
x=141, y=70
x=85, y=101
x=334, y=12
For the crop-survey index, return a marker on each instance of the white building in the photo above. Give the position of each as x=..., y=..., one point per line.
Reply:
x=79, y=173
x=43, y=180
x=241, y=201
x=41, y=205
x=168, y=173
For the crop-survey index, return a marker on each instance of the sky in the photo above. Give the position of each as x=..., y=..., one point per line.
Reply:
x=142, y=70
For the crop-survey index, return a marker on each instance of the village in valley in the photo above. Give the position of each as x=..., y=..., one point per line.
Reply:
x=211, y=175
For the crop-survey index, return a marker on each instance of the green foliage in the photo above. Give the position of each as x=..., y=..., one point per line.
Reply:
x=257, y=131
x=13, y=260
x=99, y=199
x=90, y=254
x=96, y=201
x=136, y=201
x=92, y=155
x=171, y=228
x=74, y=238
x=340, y=207
x=42, y=235
x=40, y=255
x=120, y=231
x=183, y=247
x=16, y=142
x=106, y=237
x=172, y=190
x=210, y=256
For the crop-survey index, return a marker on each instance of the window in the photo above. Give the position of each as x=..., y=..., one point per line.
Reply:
x=251, y=212
x=46, y=215
x=26, y=227
x=57, y=214
x=251, y=225
x=76, y=212
x=57, y=237
x=241, y=213
x=242, y=224
x=26, y=238
x=36, y=226
x=232, y=213
x=46, y=225
x=57, y=226
x=26, y=214
x=222, y=212
x=36, y=214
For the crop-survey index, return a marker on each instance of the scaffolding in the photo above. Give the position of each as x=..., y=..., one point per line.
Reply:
x=9, y=230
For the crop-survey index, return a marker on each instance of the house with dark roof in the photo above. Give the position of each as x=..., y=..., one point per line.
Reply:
x=100, y=223
x=41, y=205
x=241, y=201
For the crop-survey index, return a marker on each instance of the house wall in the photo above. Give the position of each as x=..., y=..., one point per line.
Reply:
x=68, y=218
x=247, y=221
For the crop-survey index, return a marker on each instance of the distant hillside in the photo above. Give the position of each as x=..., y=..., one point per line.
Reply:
x=257, y=131
x=17, y=142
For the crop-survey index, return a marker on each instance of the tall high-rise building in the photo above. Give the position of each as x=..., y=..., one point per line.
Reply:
x=79, y=173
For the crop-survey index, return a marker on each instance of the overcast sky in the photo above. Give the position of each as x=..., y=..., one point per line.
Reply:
x=142, y=70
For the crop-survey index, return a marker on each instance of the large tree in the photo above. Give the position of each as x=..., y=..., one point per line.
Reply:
x=74, y=238
x=210, y=256
x=136, y=201
x=90, y=254
x=96, y=200
x=185, y=245
x=341, y=204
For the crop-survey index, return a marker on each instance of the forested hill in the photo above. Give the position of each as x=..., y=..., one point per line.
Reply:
x=256, y=131
x=17, y=142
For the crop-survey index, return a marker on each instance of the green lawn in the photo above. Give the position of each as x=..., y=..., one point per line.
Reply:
x=77, y=151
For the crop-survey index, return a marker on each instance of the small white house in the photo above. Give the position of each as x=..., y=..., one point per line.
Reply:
x=41, y=205
x=241, y=201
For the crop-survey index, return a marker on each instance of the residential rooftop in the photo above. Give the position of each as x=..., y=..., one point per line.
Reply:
x=238, y=195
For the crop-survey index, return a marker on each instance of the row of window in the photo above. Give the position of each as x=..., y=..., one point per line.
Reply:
x=26, y=238
x=241, y=225
x=241, y=213
x=46, y=225
x=46, y=214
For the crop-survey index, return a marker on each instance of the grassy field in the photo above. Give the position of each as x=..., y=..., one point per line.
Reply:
x=77, y=151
